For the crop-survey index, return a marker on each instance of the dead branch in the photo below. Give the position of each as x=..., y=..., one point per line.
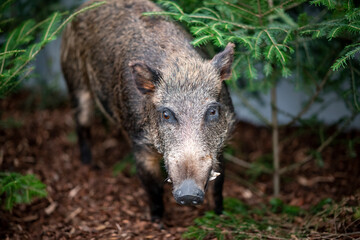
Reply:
x=320, y=148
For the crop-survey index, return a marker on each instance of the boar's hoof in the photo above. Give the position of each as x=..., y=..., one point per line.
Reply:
x=188, y=193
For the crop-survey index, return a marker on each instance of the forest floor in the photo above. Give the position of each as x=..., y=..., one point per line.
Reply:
x=91, y=202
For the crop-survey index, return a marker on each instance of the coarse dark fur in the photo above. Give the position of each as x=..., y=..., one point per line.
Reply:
x=145, y=76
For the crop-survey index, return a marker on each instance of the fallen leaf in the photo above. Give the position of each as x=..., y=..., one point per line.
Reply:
x=51, y=208
x=74, y=191
x=30, y=218
x=100, y=227
x=73, y=214
x=310, y=182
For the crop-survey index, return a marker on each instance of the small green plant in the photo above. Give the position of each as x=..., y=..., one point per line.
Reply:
x=261, y=165
x=278, y=206
x=351, y=149
x=277, y=220
x=321, y=205
x=11, y=123
x=240, y=221
x=357, y=214
x=71, y=137
x=125, y=165
x=16, y=189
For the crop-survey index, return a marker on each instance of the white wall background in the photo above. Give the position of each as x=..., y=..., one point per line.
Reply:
x=290, y=101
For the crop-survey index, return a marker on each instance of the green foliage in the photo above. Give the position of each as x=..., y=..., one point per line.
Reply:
x=126, y=165
x=260, y=166
x=330, y=216
x=348, y=53
x=325, y=203
x=277, y=220
x=23, y=44
x=352, y=145
x=72, y=137
x=279, y=38
x=240, y=221
x=16, y=188
x=278, y=206
x=357, y=214
x=235, y=206
x=11, y=123
x=229, y=150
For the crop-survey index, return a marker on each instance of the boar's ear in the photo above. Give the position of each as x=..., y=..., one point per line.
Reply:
x=145, y=77
x=223, y=61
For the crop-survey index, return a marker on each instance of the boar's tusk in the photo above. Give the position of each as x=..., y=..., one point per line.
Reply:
x=168, y=180
x=213, y=175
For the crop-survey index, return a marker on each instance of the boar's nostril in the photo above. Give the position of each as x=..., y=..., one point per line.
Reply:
x=188, y=193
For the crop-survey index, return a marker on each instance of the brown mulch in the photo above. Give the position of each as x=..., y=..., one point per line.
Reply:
x=90, y=203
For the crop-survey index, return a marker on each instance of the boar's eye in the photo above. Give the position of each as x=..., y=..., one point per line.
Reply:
x=168, y=116
x=212, y=114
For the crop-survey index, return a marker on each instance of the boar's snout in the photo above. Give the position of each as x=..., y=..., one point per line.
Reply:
x=188, y=193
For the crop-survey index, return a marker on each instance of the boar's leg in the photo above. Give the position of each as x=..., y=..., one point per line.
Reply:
x=84, y=137
x=82, y=103
x=218, y=187
x=149, y=172
x=77, y=82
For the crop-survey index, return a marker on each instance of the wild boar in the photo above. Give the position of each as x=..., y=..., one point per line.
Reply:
x=145, y=76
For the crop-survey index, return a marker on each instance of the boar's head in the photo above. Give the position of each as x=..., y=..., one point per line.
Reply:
x=190, y=116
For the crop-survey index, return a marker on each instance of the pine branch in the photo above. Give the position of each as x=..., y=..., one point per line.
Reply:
x=259, y=11
x=6, y=50
x=8, y=53
x=350, y=52
x=201, y=41
x=50, y=26
x=4, y=4
x=23, y=77
x=328, y=3
x=252, y=73
x=241, y=9
x=51, y=29
x=276, y=46
x=206, y=9
x=202, y=17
